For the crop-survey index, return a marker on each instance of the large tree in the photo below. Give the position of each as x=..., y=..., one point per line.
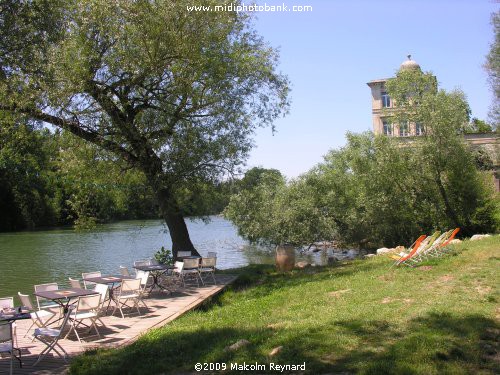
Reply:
x=175, y=94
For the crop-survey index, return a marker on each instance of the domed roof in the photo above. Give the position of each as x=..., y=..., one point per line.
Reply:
x=409, y=64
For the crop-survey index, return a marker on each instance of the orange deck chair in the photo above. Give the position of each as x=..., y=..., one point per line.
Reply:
x=416, y=245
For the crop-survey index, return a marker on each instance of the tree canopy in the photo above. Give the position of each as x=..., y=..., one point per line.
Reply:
x=176, y=95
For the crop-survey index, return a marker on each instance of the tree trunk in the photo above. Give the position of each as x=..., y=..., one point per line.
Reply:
x=175, y=222
x=449, y=210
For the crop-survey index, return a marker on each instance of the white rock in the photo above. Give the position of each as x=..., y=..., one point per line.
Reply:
x=384, y=250
x=456, y=240
x=479, y=237
x=238, y=344
x=369, y=255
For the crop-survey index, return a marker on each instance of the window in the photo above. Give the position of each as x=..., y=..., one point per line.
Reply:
x=419, y=129
x=386, y=100
x=388, y=128
x=404, y=129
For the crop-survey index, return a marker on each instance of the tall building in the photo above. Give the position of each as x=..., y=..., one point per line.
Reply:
x=382, y=105
x=381, y=102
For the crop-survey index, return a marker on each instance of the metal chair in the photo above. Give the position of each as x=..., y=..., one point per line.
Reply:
x=43, y=303
x=8, y=303
x=89, y=284
x=124, y=271
x=86, y=308
x=207, y=267
x=7, y=344
x=75, y=283
x=40, y=318
x=191, y=269
x=50, y=337
x=130, y=290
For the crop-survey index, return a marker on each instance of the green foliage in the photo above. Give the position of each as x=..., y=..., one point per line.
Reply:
x=477, y=126
x=374, y=191
x=164, y=256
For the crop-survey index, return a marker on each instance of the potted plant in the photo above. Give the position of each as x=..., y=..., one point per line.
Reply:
x=164, y=256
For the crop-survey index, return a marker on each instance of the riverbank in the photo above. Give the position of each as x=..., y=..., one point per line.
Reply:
x=353, y=317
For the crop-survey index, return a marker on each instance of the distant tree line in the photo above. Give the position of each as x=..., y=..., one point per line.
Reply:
x=52, y=178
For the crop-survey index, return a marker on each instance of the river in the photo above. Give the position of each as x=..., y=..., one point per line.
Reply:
x=36, y=257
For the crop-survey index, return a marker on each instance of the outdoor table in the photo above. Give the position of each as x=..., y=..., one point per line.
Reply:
x=13, y=315
x=156, y=270
x=63, y=297
x=110, y=280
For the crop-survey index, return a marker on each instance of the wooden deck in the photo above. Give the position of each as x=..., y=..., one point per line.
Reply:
x=162, y=308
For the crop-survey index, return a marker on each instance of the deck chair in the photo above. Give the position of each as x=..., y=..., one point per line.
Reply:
x=402, y=257
x=40, y=318
x=426, y=252
x=130, y=290
x=50, y=338
x=87, y=308
x=434, y=248
x=443, y=249
x=7, y=344
x=424, y=246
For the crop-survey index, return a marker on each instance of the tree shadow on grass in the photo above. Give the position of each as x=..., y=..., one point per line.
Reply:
x=433, y=344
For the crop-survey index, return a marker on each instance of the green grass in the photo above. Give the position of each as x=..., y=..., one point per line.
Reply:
x=355, y=317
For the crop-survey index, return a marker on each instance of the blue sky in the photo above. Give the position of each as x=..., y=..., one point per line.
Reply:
x=330, y=53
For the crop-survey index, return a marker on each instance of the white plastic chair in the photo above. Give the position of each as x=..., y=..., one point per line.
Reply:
x=40, y=318
x=130, y=290
x=89, y=284
x=75, y=283
x=207, y=267
x=7, y=344
x=86, y=308
x=50, y=337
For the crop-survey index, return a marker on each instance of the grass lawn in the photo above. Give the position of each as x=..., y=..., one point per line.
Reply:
x=355, y=317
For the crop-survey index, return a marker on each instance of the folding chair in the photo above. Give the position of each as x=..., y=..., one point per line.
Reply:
x=50, y=337
x=75, y=283
x=191, y=269
x=130, y=290
x=86, y=308
x=89, y=284
x=124, y=271
x=8, y=303
x=207, y=267
x=37, y=317
x=43, y=303
x=7, y=344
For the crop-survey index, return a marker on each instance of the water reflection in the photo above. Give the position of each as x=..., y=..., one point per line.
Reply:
x=29, y=258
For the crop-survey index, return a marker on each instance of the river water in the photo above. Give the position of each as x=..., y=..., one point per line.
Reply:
x=35, y=257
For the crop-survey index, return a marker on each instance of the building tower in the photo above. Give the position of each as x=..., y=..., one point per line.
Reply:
x=381, y=101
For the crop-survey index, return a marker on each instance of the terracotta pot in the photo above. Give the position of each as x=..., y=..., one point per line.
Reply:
x=285, y=257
